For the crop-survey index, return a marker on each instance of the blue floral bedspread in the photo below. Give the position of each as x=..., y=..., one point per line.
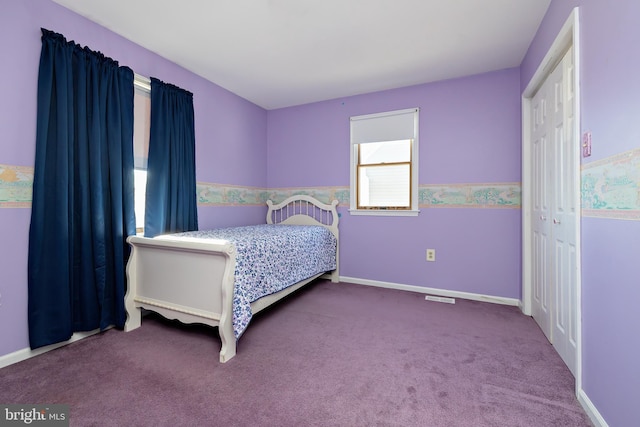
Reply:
x=270, y=258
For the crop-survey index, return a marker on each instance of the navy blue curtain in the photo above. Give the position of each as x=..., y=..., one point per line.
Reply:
x=83, y=201
x=171, y=204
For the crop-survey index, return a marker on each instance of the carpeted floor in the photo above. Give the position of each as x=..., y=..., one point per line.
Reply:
x=330, y=355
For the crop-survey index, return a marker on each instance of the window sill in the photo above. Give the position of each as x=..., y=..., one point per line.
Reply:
x=383, y=212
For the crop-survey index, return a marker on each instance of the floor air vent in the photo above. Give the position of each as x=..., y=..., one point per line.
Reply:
x=440, y=299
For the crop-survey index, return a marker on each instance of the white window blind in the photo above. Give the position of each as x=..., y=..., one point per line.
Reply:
x=141, y=127
x=392, y=126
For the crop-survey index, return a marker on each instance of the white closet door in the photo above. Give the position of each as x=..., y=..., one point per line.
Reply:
x=564, y=217
x=542, y=129
x=554, y=265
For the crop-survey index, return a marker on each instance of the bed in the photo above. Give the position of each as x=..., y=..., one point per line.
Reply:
x=223, y=277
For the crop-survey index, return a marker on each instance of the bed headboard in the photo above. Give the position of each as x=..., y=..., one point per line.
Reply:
x=304, y=210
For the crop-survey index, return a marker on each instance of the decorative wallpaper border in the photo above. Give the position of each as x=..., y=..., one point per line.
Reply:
x=611, y=187
x=16, y=184
x=489, y=195
x=324, y=194
x=230, y=195
x=495, y=196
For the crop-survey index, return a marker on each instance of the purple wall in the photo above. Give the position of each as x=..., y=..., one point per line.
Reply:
x=610, y=107
x=469, y=133
x=230, y=134
x=611, y=318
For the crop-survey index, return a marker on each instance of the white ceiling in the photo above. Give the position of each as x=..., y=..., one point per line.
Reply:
x=279, y=53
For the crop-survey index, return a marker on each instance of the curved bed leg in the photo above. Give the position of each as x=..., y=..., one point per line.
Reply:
x=134, y=314
x=134, y=318
x=335, y=277
x=225, y=327
x=228, y=339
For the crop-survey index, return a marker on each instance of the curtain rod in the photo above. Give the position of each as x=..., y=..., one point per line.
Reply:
x=141, y=82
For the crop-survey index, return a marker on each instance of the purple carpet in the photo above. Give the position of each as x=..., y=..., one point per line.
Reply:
x=330, y=355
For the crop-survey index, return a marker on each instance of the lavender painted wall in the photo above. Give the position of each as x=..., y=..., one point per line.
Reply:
x=14, y=226
x=469, y=133
x=611, y=318
x=230, y=134
x=610, y=107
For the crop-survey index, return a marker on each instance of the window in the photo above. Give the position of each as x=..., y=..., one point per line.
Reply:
x=384, y=163
x=141, y=130
x=140, y=190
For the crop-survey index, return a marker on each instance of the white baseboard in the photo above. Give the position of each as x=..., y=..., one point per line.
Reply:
x=591, y=410
x=27, y=353
x=432, y=291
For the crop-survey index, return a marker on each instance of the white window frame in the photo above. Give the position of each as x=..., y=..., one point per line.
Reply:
x=413, y=211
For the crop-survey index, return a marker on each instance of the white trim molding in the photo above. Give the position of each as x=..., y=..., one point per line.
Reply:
x=568, y=36
x=27, y=353
x=432, y=291
x=593, y=413
x=382, y=212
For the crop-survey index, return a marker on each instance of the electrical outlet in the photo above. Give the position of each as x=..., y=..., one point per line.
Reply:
x=431, y=254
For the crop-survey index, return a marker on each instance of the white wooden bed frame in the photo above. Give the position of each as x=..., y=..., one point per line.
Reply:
x=193, y=280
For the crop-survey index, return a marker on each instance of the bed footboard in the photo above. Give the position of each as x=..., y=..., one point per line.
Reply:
x=189, y=281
